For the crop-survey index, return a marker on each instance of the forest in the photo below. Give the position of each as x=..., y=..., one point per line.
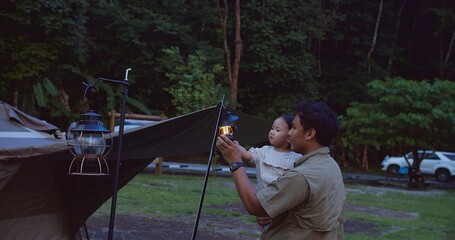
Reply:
x=387, y=67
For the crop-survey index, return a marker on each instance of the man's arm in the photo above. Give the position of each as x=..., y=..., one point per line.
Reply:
x=247, y=193
x=244, y=186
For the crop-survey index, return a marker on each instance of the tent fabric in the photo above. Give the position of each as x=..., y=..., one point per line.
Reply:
x=7, y=171
x=183, y=135
x=22, y=135
x=32, y=207
x=24, y=119
x=189, y=134
x=251, y=130
x=74, y=198
x=41, y=226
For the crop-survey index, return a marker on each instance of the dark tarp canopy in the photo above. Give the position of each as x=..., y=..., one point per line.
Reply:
x=51, y=191
x=190, y=134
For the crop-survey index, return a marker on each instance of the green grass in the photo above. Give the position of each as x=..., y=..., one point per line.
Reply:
x=170, y=196
x=435, y=211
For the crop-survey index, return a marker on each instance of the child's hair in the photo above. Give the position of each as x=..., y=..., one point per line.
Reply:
x=288, y=119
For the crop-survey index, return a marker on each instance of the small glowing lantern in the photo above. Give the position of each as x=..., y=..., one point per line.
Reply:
x=226, y=130
x=227, y=125
x=88, y=144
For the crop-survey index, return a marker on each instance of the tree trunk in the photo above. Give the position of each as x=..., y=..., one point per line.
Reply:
x=416, y=179
x=357, y=156
x=446, y=61
x=375, y=36
x=343, y=163
x=238, y=55
x=365, y=159
x=395, y=35
x=224, y=19
x=16, y=97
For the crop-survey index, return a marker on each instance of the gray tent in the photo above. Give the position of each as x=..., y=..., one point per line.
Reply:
x=39, y=200
x=22, y=135
x=30, y=201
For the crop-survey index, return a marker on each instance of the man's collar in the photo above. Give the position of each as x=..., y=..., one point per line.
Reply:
x=322, y=150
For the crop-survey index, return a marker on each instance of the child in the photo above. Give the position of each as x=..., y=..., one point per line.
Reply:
x=273, y=160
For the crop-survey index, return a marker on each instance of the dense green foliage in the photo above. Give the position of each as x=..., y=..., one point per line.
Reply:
x=325, y=49
x=403, y=116
x=195, y=86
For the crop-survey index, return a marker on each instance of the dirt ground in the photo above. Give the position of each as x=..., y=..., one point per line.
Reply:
x=215, y=227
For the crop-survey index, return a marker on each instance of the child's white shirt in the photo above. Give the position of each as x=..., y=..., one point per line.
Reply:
x=270, y=164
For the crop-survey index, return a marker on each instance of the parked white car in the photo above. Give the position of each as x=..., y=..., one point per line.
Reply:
x=436, y=163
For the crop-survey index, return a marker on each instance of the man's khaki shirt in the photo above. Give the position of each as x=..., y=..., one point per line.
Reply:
x=307, y=202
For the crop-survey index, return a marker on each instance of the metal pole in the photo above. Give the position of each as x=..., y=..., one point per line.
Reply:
x=207, y=172
x=117, y=163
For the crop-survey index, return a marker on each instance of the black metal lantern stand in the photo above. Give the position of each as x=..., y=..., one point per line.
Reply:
x=88, y=142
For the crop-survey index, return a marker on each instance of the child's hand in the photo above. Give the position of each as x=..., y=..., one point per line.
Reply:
x=263, y=220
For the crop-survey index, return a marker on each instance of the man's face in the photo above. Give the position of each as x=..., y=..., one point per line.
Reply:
x=296, y=135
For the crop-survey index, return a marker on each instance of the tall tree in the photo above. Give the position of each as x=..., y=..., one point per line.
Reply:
x=395, y=35
x=290, y=49
x=195, y=77
x=134, y=34
x=281, y=52
x=232, y=72
x=375, y=36
x=42, y=47
x=238, y=55
x=403, y=116
x=444, y=31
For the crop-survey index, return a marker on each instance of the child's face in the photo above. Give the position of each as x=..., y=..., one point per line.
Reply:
x=278, y=135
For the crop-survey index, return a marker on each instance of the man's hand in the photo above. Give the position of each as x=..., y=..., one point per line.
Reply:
x=243, y=184
x=228, y=149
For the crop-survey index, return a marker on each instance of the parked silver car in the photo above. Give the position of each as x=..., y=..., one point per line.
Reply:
x=437, y=163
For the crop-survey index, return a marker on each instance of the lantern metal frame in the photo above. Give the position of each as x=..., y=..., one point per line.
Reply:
x=125, y=85
x=92, y=163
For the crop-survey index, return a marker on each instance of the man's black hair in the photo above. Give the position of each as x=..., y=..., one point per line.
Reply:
x=319, y=116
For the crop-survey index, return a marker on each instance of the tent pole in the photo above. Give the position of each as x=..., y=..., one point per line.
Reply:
x=86, y=231
x=207, y=172
x=119, y=153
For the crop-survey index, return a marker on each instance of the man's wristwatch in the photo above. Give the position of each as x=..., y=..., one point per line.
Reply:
x=235, y=165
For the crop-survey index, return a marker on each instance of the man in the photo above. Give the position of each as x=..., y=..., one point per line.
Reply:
x=308, y=201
